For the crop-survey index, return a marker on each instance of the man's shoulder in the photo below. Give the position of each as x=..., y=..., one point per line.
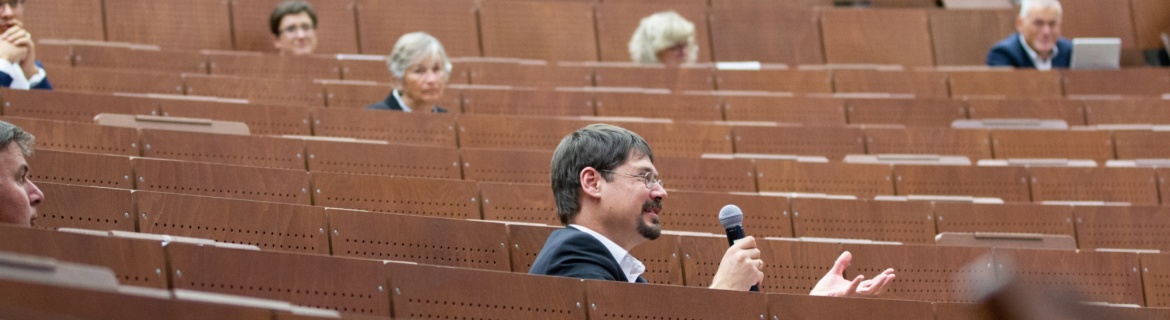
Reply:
x=1010, y=42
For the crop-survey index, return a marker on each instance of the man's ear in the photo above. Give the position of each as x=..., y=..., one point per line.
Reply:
x=591, y=181
x=276, y=42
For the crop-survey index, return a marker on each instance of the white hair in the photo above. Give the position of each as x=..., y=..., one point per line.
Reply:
x=411, y=48
x=1028, y=5
x=660, y=31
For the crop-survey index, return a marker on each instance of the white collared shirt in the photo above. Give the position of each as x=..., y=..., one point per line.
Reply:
x=405, y=108
x=630, y=265
x=1041, y=64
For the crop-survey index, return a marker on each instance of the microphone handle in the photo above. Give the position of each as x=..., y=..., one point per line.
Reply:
x=736, y=233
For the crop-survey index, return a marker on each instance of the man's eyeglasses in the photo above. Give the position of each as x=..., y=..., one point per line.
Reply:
x=646, y=178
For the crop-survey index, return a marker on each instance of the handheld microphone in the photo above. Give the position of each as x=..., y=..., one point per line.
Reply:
x=731, y=217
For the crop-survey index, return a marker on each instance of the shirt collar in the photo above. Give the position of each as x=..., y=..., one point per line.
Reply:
x=405, y=108
x=1045, y=64
x=631, y=267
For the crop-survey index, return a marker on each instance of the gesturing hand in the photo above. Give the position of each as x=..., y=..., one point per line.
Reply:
x=834, y=283
x=740, y=267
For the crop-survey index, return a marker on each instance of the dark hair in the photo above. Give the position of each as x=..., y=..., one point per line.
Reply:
x=10, y=133
x=287, y=8
x=599, y=146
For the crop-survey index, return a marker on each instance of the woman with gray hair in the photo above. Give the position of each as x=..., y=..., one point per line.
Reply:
x=664, y=38
x=420, y=68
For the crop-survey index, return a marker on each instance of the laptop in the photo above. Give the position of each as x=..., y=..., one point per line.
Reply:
x=1096, y=53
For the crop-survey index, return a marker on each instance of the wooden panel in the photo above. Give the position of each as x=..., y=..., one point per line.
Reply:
x=764, y=216
x=906, y=222
x=940, y=273
x=358, y=95
x=682, y=139
x=94, y=208
x=508, y=166
x=1136, y=227
x=71, y=106
x=1130, y=82
x=831, y=142
x=64, y=19
x=961, y=311
x=677, y=107
x=397, y=127
x=265, y=66
x=1142, y=144
x=658, y=77
x=918, y=112
x=921, y=84
x=798, y=306
x=1155, y=275
x=133, y=59
x=617, y=300
x=556, y=31
x=1099, y=18
x=797, y=81
x=336, y=32
x=617, y=21
x=1050, y=109
x=711, y=175
x=515, y=202
x=256, y=151
x=415, y=196
x=660, y=256
x=805, y=111
x=171, y=24
x=514, y=133
x=281, y=92
x=535, y=74
x=736, y=34
x=218, y=180
x=893, y=36
x=43, y=301
x=77, y=137
x=828, y=178
x=270, y=226
x=345, y=285
x=1100, y=276
x=1133, y=185
x=527, y=102
x=974, y=144
x=387, y=160
x=1095, y=145
x=1006, y=83
x=376, y=68
x=1149, y=21
x=261, y=119
x=1007, y=183
x=101, y=80
x=1014, y=218
x=451, y=21
x=56, y=53
x=83, y=169
x=963, y=37
x=428, y=240
x=133, y=262
x=1133, y=110
x=490, y=295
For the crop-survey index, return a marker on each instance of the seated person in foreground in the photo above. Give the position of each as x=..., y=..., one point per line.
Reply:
x=19, y=196
x=609, y=197
x=420, y=69
x=1037, y=42
x=664, y=38
x=294, y=28
x=19, y=68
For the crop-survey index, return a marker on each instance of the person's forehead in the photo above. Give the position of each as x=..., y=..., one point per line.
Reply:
x=1044, y=13
x=12, y=158
x=299, y=17
x=639, y=162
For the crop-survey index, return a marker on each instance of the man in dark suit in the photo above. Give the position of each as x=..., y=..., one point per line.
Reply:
x=1037, y=42
x=609, y=195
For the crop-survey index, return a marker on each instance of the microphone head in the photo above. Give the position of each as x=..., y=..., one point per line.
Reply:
x=731, y=216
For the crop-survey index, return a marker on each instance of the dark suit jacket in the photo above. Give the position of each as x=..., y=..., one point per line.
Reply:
x=573, y=253
x=392, y=104
x=6, y=80
x=1010, y=52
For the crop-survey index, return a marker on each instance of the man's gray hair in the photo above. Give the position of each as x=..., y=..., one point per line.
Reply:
x=10, y=133
x=1028, y=5
x=412, y=47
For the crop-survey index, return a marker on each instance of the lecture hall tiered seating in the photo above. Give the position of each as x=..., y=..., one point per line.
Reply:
x=192, y=173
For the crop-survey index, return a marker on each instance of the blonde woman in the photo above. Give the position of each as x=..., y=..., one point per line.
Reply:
x=664, y=38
